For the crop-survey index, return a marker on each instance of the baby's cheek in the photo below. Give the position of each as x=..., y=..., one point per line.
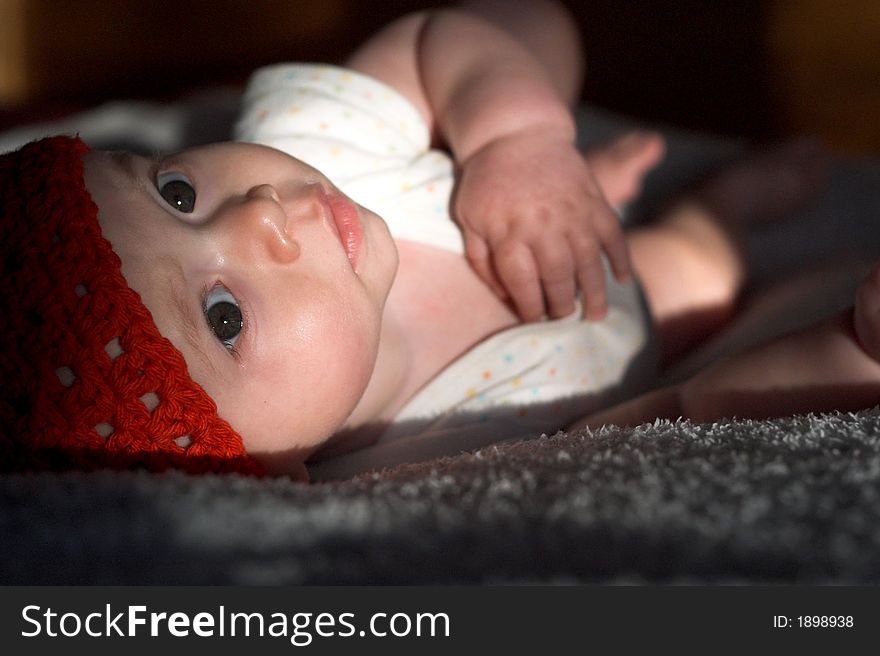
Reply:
x=341, y=355
x=348, y=362
x=316, y=371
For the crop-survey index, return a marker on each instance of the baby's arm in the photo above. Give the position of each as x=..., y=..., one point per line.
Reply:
x=535, y=223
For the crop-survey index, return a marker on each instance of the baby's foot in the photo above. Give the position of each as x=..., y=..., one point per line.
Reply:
x=711, y=222
x=767, y=185
x=866, y=314
x=621, y=166
x=763, y=186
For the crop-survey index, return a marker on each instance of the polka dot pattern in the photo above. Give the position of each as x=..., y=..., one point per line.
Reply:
x=545, y=374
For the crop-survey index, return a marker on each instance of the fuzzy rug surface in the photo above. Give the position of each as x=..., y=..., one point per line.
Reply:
x=795, y=500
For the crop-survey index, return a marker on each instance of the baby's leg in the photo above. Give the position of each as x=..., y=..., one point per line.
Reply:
x=833, y=365
x=691, y=261
x=621, y=166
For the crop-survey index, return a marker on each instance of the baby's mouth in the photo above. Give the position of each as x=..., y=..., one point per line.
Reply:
x=345, y=223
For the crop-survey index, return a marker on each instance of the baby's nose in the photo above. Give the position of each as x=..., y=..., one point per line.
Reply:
x=259, y=227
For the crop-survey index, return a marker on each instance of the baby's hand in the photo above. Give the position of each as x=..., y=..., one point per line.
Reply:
x=535, y=225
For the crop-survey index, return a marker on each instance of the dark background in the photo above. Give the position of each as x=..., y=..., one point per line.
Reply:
x=760, y=69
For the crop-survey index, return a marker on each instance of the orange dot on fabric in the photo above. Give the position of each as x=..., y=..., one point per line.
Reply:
x=517, y=381
x=552, y=371
x=487, y=375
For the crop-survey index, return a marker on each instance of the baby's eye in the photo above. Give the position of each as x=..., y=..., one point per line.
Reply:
x=177, y=191
x=223, y=315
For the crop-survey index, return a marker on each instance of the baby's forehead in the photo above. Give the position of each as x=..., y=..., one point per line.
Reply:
x=118, y=183
x=113, y=169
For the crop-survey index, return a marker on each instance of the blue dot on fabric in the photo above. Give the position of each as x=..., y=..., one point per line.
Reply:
x=508, y=358
x=559, y=348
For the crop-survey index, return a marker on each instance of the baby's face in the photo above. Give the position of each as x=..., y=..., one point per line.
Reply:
x=268, y=280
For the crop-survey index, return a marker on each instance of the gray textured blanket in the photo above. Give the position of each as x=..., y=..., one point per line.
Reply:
x=792, y=500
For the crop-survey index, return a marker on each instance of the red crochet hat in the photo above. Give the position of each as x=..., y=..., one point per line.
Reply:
x=88, y=381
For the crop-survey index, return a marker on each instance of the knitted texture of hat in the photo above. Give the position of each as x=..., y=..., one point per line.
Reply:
x=88, y=381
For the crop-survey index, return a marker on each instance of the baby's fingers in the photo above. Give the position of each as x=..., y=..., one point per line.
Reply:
x=557, y=272
x=591, y=277
x=479, y=256
x=614, y=244
x=518, y=272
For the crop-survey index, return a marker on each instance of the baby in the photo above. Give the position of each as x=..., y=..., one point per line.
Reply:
x=330, y=281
